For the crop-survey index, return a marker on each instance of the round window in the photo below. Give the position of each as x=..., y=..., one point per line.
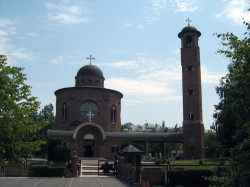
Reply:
x=89, y=110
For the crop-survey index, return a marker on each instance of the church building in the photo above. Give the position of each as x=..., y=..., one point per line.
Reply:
x=87, y=110
x=88, y=115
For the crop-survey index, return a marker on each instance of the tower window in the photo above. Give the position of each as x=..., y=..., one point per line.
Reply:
x=190, y=91
x=190, y=67
x=191, y=116
x=113, y=114
x=64, y=112
x=189, y=41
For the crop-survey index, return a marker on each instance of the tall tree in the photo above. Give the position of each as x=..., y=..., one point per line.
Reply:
x=46, y=115
x=17, y=129
x=232, y=114
x=213, y=148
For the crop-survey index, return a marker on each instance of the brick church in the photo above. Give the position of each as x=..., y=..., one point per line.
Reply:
x=88, y=115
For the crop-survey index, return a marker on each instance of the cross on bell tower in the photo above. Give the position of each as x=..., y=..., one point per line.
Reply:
x=188, y=20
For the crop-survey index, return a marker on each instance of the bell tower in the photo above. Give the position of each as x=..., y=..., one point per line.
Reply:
x=193, y=127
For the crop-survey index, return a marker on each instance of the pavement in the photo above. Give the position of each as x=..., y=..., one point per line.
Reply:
x=62, y=182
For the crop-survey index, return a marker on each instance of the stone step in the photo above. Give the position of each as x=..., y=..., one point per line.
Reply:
x=89, y=168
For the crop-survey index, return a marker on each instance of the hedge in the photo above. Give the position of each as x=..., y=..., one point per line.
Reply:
x=48, y=171
x=61, y=154
x=40, y=170
x=189, y=177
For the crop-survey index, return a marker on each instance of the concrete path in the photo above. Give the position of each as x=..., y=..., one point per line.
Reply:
x=61, y=182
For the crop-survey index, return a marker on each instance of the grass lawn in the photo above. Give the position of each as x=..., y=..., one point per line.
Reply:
x=194, y=162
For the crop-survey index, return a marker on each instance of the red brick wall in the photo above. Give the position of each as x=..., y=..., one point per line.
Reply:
x=191, y=79
x=13, y=169
x=153, y=175
x=104, y=98
x=193, y=141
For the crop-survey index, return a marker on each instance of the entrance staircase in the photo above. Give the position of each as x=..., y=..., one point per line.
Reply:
x=89, y=166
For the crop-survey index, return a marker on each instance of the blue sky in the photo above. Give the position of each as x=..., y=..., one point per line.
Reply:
x=134, y=43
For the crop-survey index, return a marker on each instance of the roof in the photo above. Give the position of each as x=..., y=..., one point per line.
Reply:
x=87, y=87
x=126, y=136
x=150, y=136
x=90, y=70
x=60, y=134
x=189, y=28
x=131, y=149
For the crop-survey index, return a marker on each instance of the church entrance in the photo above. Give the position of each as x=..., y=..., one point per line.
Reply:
x=88, y=145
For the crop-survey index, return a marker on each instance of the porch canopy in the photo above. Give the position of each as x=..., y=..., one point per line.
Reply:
x=125, y=136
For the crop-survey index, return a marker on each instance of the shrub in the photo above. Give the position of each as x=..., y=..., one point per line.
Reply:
x=52, y=143
x=190, y=177
x=61, y=154
x=40, y=170
x=47, y=171
x=57, y=171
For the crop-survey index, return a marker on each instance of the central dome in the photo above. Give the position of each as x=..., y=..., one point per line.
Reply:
x=90, y=70
x=90, y=75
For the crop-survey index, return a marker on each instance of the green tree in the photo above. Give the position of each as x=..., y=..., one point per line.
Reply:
x=17, y=129
x=213, y=148
x=46, y=116
x=232, y=114
x=176, y=146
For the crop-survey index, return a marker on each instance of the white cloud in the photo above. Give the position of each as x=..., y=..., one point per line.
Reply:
x=183, y=5
x=208, y=77
x=140, y=26
x=163, y=76
x=122, y=64
x=138, y=87
x=7, y=33
x=21, y=54
x=127, y=25
x=32, y=34
x=66, y=60
x=66, y=14
x=156, y=80
x=153, y=11
x=235, y=10
x=141, y=91
x=7, y=29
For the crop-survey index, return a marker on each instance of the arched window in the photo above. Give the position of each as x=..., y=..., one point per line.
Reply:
x=64, y=112
x=189, y=41
x=113, y=114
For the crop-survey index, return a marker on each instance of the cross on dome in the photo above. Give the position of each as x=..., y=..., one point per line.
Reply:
x=188, y=20
x=90, y=58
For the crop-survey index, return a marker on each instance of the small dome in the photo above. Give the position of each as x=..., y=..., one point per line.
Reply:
x=189, y=29
x=90, y=70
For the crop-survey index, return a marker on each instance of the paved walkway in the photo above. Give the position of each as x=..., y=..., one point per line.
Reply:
x=61, y=182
